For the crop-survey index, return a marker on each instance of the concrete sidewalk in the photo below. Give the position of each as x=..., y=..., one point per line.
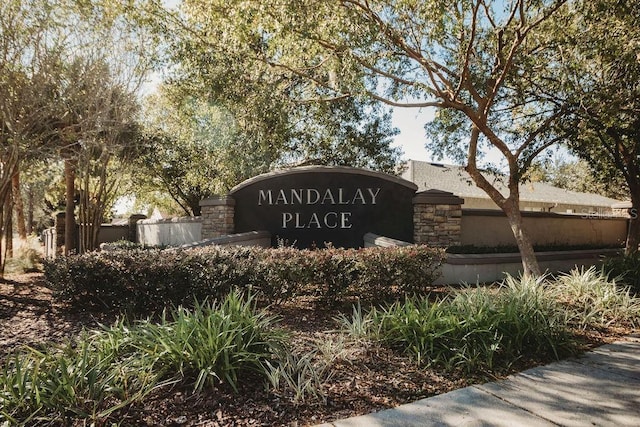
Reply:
x=600, y=388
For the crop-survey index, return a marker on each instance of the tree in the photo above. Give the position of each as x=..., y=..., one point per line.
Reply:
x=574, y=174
x=106, y=144
x=275, y=126
x=185, y=148
x=479, y=62
x=43, y=188
x=103, y=63
x=601, y=70
x=27, y=58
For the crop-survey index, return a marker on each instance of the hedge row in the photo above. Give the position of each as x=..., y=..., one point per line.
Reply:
x=144, y=280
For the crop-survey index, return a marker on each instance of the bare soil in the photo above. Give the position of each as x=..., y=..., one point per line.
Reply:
x=369, y=378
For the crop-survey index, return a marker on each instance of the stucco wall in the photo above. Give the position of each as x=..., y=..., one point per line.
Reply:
x=561, y=208
x=112, y=233
x=490, y=228
x=251, y=238
x=484, y=268
x=171, y=232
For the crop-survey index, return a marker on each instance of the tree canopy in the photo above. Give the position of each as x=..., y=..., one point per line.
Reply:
x=70, y=72
x=598, y=84
x=482, y=63
x=275, y=112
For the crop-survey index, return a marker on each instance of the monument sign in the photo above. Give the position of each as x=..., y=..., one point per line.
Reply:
x=314, y=206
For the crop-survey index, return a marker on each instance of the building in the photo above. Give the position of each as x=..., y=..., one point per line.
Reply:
x=534, y=196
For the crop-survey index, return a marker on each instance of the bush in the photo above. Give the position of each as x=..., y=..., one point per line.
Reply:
x=401, y=271
x=146, y=280
x=149, y=280
x=27, y=256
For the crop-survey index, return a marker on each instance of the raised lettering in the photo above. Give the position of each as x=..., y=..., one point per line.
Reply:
x=286, y=217
x=328, y=195
x=298, y=225
x=314, y=220
x=373, y=195
x=359, y=196
x=316, y=195
x=341, y=201
x=297, y=195
x=334, y=224
x=282, y=197
x=265, y=196
x=345, y=220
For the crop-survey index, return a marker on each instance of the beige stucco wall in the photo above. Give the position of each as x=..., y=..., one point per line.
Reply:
x=492, y=229
x=484, y=203
x=112, y=233
x=471, y=268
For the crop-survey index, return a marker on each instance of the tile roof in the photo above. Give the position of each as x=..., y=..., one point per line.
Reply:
x=457, y=181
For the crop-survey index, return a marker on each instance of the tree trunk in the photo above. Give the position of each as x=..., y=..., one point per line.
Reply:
x=530, y=265
x=633, y=235
x=2, y=258
x=18, y=205
x=30, y=210
x=509, y=205
x=70, y=220
x=8, y=228
x=633, y=231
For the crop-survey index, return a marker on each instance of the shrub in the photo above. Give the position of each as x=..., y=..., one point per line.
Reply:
x=145, y=280
x=280, y=274
x=411, y=269
x=27, y=256
x=335, y=271
x=149, y=280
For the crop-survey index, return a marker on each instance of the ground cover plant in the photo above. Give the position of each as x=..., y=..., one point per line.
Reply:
x=238, y=360
x=475, y=328
x=116, y=366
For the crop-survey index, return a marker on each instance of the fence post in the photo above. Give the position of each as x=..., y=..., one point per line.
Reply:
x=58, y=233
x=437, y=218
x=217, y=216
x=133, y=230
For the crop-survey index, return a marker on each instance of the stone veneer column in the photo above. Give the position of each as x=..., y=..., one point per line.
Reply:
x=217, y=216
x=437, y=218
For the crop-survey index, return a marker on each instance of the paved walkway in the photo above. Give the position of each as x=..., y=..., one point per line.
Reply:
x=600, y=388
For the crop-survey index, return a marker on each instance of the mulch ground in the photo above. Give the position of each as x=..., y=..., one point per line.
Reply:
x=365, y=379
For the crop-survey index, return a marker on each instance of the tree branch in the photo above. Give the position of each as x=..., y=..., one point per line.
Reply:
x=476, y=175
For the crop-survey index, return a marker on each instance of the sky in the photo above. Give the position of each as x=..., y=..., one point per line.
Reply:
x=410, y=122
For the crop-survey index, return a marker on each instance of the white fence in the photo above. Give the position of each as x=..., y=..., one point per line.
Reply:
x=169, y=232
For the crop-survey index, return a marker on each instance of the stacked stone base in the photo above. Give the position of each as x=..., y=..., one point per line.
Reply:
x=437, y=218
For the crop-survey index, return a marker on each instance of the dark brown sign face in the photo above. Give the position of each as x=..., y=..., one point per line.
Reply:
x=313, y=206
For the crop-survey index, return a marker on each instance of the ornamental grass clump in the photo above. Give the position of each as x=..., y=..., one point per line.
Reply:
x=474, y=328
x=208, y=344
x=626, y=270
x=109, y=369
x=590, y=299
x=80, y=380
